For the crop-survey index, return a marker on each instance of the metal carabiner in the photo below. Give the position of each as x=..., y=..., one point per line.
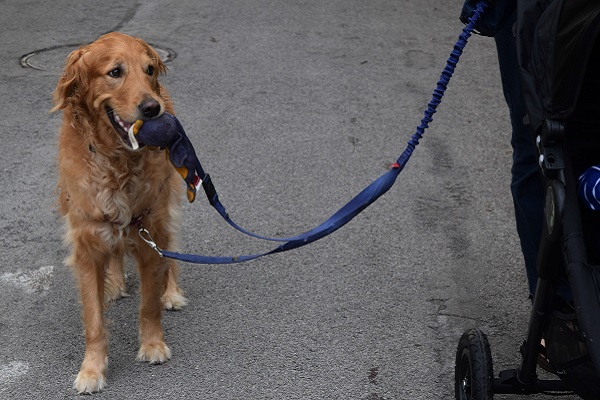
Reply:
x=146, y=237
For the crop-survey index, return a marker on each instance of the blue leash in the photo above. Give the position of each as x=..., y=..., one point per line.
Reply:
x=354, y=206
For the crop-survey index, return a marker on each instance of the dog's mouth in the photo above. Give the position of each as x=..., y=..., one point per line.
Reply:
x=124, y=129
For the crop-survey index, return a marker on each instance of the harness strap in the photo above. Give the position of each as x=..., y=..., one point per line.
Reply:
x=360, y=201
x=138, y=221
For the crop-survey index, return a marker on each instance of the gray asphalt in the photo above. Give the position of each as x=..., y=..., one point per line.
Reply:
x=294, y=107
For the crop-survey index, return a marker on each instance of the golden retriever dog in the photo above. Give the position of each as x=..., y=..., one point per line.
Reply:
x=107, y=190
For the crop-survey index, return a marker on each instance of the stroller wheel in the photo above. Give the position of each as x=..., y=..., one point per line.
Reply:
x=474, y=376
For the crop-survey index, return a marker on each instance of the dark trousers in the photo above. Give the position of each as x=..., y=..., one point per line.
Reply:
x=526, y=185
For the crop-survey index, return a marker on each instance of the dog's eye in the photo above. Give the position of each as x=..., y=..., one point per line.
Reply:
x=150, y=70
x=115, y=72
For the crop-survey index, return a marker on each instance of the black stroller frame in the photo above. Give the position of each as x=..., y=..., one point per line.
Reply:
x=560, y=58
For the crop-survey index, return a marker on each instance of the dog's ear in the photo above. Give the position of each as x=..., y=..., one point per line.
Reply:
x=73, y=82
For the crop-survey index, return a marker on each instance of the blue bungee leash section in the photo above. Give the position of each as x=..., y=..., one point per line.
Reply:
x=341, y=217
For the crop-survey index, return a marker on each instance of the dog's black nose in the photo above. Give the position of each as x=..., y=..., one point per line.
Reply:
x=149, y=108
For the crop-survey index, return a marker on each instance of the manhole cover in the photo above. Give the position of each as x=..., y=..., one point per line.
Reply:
x=53, y=58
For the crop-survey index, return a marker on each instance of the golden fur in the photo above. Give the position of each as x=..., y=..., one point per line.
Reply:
x=104, y=184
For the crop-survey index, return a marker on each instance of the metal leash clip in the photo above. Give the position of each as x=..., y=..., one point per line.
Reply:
x=146, y=237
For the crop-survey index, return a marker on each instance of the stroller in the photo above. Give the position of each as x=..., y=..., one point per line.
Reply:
x=559, y=55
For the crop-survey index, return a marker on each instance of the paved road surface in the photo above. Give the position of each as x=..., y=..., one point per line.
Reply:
x=294, y=107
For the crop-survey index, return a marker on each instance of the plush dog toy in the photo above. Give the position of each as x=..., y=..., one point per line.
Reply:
x=166, y=132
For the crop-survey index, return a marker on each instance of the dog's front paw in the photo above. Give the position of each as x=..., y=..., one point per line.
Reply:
x=154, y=353
x=89, y=381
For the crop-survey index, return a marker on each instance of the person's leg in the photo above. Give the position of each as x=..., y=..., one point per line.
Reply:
x=526, y=186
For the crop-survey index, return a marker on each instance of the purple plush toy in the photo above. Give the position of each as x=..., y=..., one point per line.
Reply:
x=167, y=132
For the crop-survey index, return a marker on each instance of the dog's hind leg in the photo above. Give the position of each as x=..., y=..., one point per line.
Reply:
x=114, y=287
x=173, y=298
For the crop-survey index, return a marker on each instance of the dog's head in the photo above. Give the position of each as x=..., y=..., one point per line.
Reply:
x=112, y=82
